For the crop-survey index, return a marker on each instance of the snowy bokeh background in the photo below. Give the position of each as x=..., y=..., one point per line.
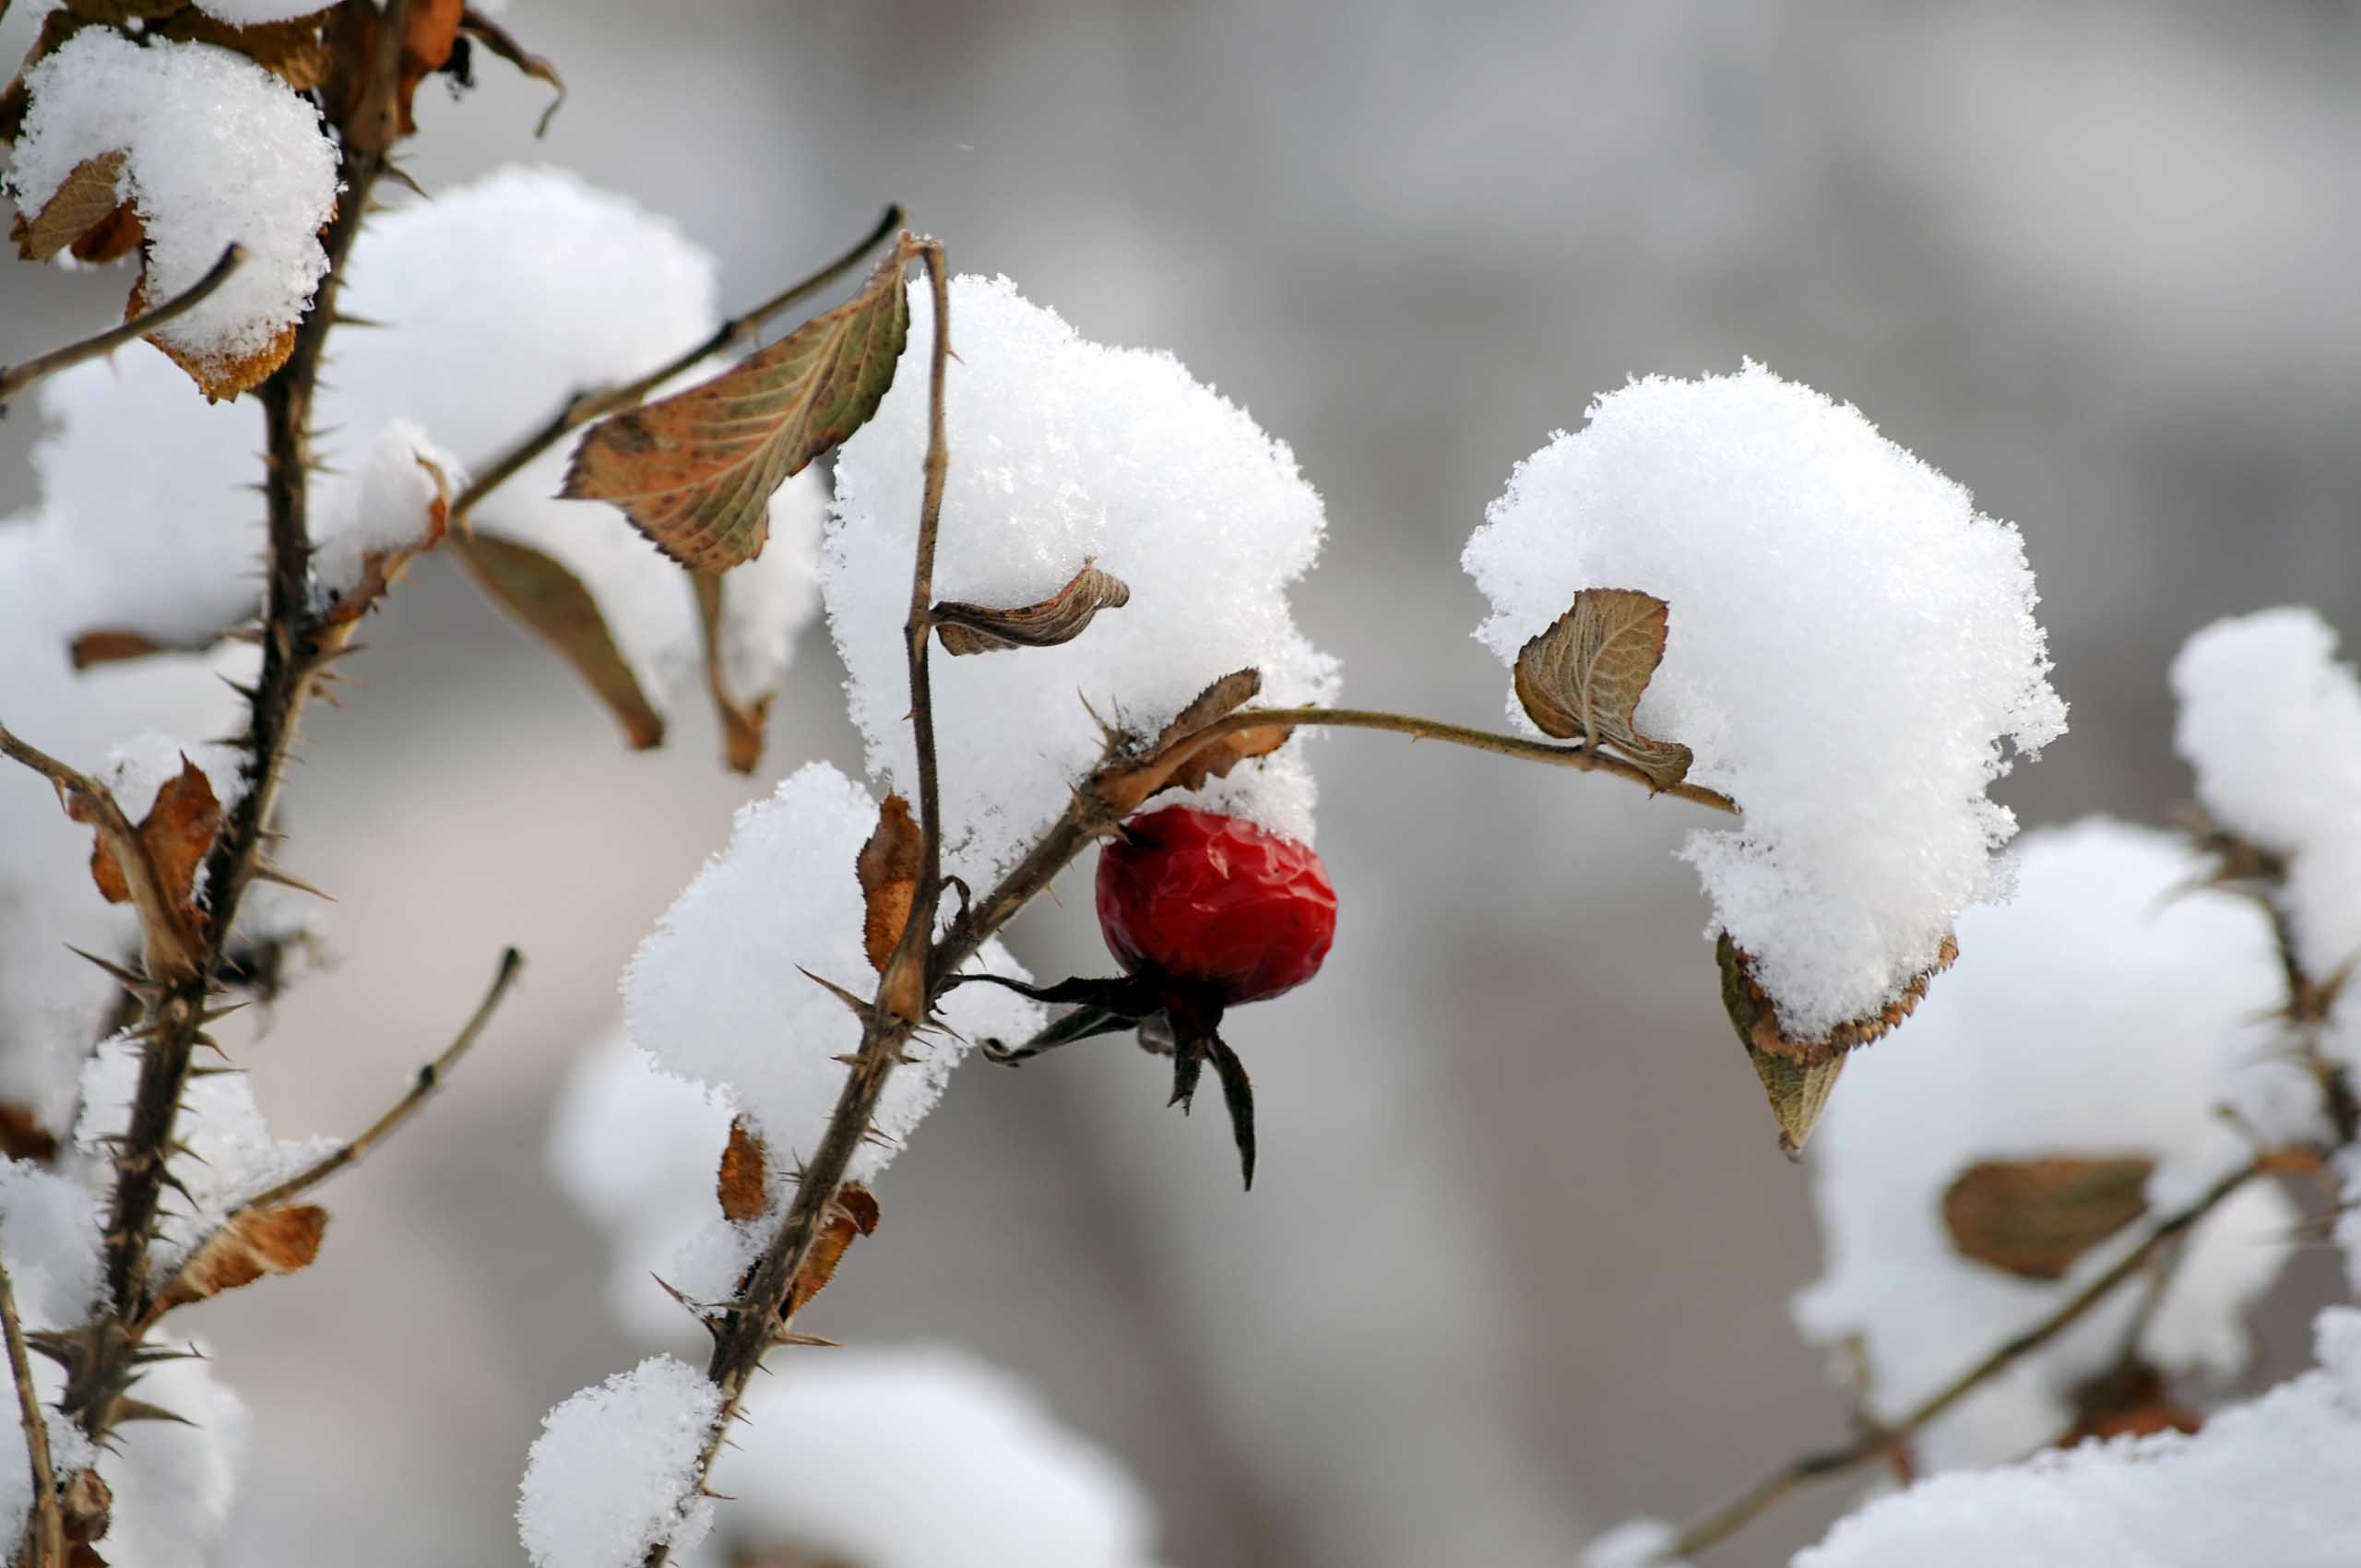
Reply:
x=1519, y=1254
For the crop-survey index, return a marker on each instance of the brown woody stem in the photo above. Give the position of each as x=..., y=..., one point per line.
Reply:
x=1585, y=759
x=295, y=646
x=15, y=378
x=47, y=1521
x=592, y=406
x=1734, y=1515
x=904, y=994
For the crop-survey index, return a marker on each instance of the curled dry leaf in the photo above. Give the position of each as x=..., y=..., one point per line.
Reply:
x=742, y=718
x=695, y=471
x=1584, y=676
x=254, y=1242
x=482, y=29
x=888, y=866
x=174, y=837
x=976, y=628
x=738, y=1182
x=554, y=606
x=2035, y=1219
x=853, y=1213
x=1178, y=760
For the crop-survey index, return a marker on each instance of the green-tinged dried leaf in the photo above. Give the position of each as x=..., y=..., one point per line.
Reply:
x=87, y=199
x=255, y=1241
x=888, y=868
x=1799, y=1093
x=695, y=471
x=976, y=628
x=1584, y=676
x=553, y=604
x=493, y=36
x=739, y=1184
x=1757, y=1016
x=2036, y=1217
x=742, y=718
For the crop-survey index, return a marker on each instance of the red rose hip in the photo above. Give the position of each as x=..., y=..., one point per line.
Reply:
x=1198, y=899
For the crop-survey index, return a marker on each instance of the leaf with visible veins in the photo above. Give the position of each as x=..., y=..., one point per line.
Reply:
x=554, y=605
x=255, y=1242
x=888, y=866
x=695, y=471
x=1584, y=676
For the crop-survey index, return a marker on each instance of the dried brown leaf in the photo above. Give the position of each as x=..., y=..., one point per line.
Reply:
x=494, y=37
x=742, y=718
x=888, y=866
x=854, y=1213
x=1584, y=676
x=293, y=49
x=87, y=199
x=1225, y=696
x=22, y=1136
x=112, y=12
x=694, y=472
x=2129, y=1401
x=1215, y=759
x=553, y=603
x=56, y=29
x=255, y=1242
x=106, y=647
x=738, y=1182
x=2036, y=1217
x=976, y=628
x=175, y=836
x=218, y=377
x=116, y=235
x=380, y=569
x=1760, y=1025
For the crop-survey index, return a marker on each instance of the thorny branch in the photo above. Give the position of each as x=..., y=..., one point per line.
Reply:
x=906, y=991
x=47, y=1521
x=297, y=644
x=593, y=406
x=422, y=1089
x=16, y=378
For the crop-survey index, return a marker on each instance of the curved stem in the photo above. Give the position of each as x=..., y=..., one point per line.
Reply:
x=15, y=378
x=1729, y=1518
x=1585, y=759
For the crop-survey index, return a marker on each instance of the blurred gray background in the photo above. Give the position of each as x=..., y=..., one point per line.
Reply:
x=1517, y=1263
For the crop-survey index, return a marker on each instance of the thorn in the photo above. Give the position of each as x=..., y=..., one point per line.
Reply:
x=860, y=1009
x=138, y=985
x=215, y=1072
x=849, y=1058
x=266, y=872
x=140, y=1410
x=797, y=1338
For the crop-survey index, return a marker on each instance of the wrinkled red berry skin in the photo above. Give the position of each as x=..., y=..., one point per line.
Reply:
x=1215, y=901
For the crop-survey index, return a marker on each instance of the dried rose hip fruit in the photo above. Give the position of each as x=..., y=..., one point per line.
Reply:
x=1202, y=911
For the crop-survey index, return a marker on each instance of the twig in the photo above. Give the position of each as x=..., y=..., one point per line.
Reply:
x=422, y=1089
x=905, y=992
x=598, y=404
x=1585, y=759
x=15, y=378
x=1739, y=1511
x=49, y=1523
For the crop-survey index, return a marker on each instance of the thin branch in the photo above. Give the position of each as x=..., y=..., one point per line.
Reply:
x=755, y=1322
x=1585, y=759
x=15, y=378
x=592, y=406
x=48, y=1522
x=1734, y=1515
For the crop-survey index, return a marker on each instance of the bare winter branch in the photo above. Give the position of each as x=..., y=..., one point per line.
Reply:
x=15, y=378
